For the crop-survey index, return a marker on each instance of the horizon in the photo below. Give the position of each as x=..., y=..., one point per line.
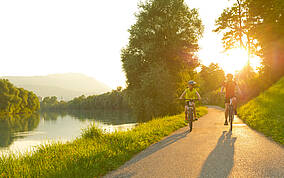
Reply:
x=54, y=74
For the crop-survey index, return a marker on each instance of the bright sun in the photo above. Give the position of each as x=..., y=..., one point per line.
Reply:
x=235, y=59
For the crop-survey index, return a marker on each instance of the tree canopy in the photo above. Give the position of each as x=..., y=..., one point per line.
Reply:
x=210, y=79
x=115, y=100
x=15, y=100
x=257, y=25
x=160, y=55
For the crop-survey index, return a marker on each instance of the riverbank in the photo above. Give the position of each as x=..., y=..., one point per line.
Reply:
x=92, y=155
x=265, y=113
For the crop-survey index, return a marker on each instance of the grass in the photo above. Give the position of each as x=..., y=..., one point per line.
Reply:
x=92, y=155
x=265, y=113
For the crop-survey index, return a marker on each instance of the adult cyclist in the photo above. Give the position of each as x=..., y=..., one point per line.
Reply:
x=190, y=93
x=230, y=86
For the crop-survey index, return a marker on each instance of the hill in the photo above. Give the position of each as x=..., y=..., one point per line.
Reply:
x=64, y=86
x=265, y=113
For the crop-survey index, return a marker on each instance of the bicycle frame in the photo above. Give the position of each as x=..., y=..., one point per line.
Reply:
x=189, y=112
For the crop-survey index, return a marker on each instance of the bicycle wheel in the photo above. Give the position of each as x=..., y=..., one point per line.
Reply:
x=190, y=119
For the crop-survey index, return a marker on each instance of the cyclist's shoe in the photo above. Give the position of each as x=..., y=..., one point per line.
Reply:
x=226, y=122
x=196, y=119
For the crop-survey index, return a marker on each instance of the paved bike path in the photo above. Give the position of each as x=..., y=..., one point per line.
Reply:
x=208, y=151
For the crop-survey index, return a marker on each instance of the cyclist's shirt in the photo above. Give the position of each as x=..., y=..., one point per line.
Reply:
x=230, y=88
x=190, y=94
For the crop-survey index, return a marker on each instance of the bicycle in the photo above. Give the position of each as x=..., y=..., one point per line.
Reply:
x=189, y=112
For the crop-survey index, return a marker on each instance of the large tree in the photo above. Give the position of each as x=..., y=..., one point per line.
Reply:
x=237, y=26
x=258, y=26
x=269, y=32
x=160, y=55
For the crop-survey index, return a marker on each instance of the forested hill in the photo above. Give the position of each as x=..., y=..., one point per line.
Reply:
x=63, y=86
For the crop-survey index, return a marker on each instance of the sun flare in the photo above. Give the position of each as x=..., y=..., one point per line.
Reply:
x=235, y=60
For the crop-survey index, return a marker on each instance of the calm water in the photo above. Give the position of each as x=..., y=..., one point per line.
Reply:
x=25, y=133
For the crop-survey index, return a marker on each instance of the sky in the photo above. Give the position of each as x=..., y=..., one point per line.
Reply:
x=60, y=36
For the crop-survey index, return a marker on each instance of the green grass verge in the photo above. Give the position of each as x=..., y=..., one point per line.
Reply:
x=92, y=155
x=265, y=113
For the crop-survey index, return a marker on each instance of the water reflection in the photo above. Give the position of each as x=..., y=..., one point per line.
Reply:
x=24, y=132
x=115, y=117
x=16, y=124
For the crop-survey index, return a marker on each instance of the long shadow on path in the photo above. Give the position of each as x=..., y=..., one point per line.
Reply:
x=149, y=151
x=221, y=160
x=158, y=146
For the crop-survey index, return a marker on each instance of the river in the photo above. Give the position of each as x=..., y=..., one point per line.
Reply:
x=25, y=133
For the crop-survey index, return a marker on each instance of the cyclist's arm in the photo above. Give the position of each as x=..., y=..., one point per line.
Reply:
x=198, y=95
x=222, y=89
x=239, y=90
x=182, y=95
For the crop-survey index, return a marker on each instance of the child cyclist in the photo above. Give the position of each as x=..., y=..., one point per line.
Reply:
x=190, y=93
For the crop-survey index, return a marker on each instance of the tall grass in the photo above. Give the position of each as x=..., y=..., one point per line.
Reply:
x=92, y=155
x=265, y=113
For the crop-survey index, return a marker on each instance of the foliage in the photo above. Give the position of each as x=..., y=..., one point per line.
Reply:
x=16, y=100
x=117, y=99
x=250, y=83
x=258, y=24
x=160, y=55
x=93, y=155
x=237, y=25
x=210, y=80
x=265, y=113
x=269, y=32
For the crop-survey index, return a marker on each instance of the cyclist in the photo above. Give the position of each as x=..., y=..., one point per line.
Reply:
x=190, y=93
x=230, y=85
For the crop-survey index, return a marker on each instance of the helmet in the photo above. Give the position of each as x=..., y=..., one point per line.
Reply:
x=191, y=82
x=230, y=76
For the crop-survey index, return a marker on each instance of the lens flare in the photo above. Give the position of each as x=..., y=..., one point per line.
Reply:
x=235, y=60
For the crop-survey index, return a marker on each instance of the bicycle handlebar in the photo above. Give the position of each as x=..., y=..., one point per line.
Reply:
x=189, y=99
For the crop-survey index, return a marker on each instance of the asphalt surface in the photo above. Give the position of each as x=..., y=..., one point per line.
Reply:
x=210, y=150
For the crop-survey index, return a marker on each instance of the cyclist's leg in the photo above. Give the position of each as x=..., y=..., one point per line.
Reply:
x=226, y=110
x=194, y=112
x=235, y=103
x=185, y=111
x=227, y=102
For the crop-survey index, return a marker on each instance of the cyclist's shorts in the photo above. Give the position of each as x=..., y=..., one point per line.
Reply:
x=227, y=99
x=187, y=103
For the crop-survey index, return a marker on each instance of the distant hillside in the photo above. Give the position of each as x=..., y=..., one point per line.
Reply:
x=64, y=86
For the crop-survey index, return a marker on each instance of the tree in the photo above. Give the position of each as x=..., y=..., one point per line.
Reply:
x=237, y=26
x=16, y=100
x=211, y=78
x=269, y=33
x=258, y=26
x=249, y=83
x=159, y=55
